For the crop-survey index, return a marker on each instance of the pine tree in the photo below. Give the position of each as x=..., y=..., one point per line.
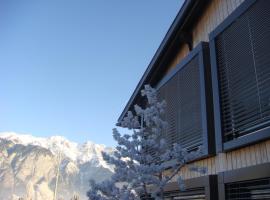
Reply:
x=142, y=157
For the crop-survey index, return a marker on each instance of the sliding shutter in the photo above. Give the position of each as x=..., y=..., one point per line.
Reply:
x=168, y=92
x=242, y=61
x=194, y=194
x=200, y=188
x=187, y=91
x=183, y=112
x=254, y=189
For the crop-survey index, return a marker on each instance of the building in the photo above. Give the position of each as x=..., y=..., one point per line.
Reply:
x=213, y=69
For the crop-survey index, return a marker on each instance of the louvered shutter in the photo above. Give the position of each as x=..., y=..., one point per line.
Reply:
x=168, y=92
x=254, y=189
x=193, y=194
x=185, y=89
x=243, y=69
x=183, y=111
x=189, y=104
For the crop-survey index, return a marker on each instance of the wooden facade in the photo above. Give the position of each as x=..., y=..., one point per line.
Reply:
x=216, y=11
x=245, y=157
x=256, y=154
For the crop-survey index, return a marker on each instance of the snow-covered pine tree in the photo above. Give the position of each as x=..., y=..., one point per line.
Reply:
x=142, y=157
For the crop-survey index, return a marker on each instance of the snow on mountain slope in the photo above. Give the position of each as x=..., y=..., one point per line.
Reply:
x=29, y=166
x=80, y=153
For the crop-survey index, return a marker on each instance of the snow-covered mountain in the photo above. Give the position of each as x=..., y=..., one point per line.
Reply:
x=28, y=166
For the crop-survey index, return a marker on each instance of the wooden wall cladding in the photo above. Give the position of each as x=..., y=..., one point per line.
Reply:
x=248, y=156
x=215, y=13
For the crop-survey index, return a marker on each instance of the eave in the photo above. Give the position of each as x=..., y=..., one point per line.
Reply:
x=176, y=34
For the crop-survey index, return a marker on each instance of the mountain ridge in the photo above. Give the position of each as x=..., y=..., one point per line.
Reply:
x=28, y=166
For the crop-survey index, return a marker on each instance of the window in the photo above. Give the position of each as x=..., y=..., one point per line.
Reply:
x=252, y=189
x=187, y=92
x=240, y=54
x=192, y=194
x=201, y=188
x=245, y=183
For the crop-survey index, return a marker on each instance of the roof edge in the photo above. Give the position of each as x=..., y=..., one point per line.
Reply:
x=171, y=33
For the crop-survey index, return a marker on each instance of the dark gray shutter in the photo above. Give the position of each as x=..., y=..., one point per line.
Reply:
x=183, y=113
x=192, y=194
x=243, y=65
x=169, y=94
x=254, y=189
x=189, y=104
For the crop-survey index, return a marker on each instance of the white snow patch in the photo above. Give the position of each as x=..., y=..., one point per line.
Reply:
x=81, y=153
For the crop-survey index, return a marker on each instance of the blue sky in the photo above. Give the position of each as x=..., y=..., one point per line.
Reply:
x=68, y=67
